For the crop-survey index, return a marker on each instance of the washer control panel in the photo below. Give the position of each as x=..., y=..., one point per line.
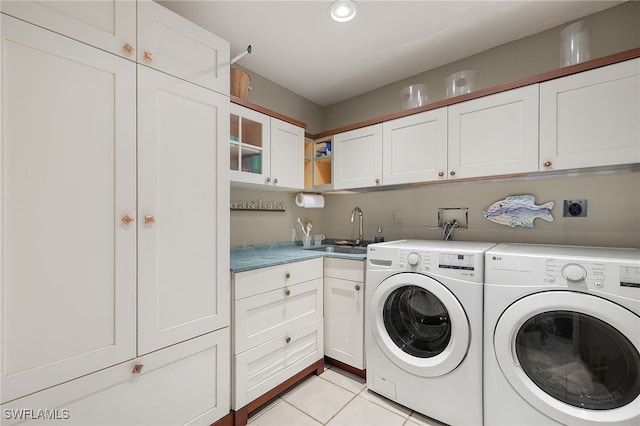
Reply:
x=468, y=266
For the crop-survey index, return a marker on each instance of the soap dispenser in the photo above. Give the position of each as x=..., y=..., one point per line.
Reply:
x=379, y=237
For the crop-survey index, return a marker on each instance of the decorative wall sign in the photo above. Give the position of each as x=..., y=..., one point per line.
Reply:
x=518, y=210
x=274, y=206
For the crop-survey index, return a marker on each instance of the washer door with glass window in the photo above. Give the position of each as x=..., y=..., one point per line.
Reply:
x=573, y=356
x=419, y=324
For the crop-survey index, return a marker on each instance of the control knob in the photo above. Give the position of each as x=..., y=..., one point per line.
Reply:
x=413, y=259
x=574, y=273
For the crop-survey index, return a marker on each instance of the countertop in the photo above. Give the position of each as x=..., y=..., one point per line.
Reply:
x=262, y=256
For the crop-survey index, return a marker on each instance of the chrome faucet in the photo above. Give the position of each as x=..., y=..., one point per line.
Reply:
x=357, y=210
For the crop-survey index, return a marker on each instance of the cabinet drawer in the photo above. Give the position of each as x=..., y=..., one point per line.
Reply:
x=263, y=317
x=262, y=368
x=262, y=280
x=344, y=269
x=186, y=383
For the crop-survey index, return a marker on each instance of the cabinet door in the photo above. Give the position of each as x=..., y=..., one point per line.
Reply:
x=68, y=162
x=106, y=24
x=591, y=118
x=287, y=155
x=264, y=367
x=184, y=384
x=494, y=135
x=250, y=147
x=357, y=158
x=414, y=148
x=344, y=311
x=170, y=43
x=183, y=208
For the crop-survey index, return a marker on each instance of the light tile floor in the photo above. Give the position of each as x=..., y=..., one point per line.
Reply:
x=335, y=398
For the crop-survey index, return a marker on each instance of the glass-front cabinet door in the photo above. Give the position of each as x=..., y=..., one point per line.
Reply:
x=249, y=145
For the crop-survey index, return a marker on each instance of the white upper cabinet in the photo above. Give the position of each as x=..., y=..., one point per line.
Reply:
x=357, y=158
x=107, y=24
x=494, y=135
x=591, y=118
x=287, y=154
x=415, y=148
x=68, y=164
x=183, y=199
x=265, y=150
x=172, y=44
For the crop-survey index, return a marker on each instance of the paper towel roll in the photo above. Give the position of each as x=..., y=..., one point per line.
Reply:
x=310, y=201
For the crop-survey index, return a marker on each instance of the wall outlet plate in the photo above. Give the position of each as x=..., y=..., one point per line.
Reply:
x=574, y=208
x=461, y=214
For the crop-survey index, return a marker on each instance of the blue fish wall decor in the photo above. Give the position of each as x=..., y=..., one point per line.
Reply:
x=518, y=210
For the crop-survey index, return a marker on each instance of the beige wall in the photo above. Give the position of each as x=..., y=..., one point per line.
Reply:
x=613, y=199
x=613, y=212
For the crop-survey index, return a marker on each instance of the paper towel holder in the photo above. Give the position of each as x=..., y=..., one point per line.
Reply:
x=310, y=200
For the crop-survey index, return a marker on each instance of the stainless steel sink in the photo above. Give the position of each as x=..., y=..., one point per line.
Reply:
x=341, y=249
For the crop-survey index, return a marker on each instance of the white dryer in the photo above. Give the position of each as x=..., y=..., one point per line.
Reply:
x=562, y=336
x=423, y=326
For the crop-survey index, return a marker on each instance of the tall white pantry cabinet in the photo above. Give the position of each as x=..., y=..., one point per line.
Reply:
x=114, y=260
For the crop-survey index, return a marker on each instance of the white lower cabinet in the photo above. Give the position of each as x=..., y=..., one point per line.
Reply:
x=277, y=326
x=344, y=311
x=592, y=118
x=183, y=384
x=260, y=369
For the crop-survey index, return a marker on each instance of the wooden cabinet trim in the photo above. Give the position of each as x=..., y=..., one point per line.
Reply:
x=268, y=112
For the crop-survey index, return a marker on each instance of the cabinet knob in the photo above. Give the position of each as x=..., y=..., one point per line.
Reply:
x=148, y=56
x=128, y=49
x=268, y=180
x=126, y=219
x=452, y=173
x=377, y=181
x=547, y=164
x=287, y=292
x=440, y=174
x=357, y=287
x=287, y=275
x=137, y=369
x=288, y=340
x=149, y=220
x=275, y=181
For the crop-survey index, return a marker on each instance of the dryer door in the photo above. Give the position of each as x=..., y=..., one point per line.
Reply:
x=573, y=356
x=419, y=324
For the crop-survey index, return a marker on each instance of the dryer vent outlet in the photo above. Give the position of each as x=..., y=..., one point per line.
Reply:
x=574, y=208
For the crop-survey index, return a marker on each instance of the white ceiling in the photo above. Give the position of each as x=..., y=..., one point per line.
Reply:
x=296, y=45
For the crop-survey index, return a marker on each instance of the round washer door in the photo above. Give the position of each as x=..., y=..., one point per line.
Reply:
x=573, y=356
x=419, y=324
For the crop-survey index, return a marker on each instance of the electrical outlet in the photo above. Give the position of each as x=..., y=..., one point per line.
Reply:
x=574, y=208
x=460, y=214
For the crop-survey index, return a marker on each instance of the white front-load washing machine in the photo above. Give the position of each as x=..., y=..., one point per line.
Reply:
x=423, y=326
x=562, y=336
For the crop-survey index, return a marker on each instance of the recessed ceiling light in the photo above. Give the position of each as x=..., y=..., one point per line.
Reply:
x=343, y=10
